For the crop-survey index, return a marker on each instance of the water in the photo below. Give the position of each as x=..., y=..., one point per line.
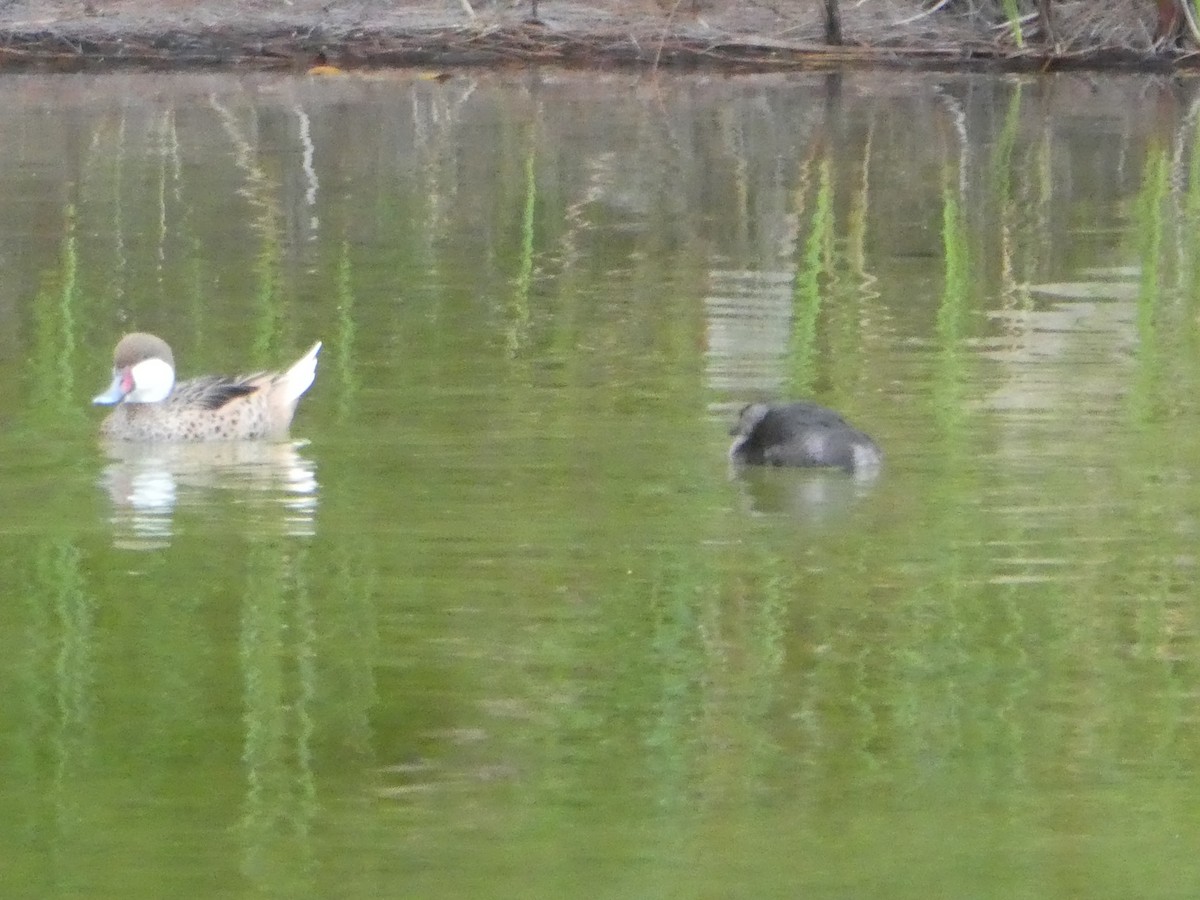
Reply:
x=500, y=621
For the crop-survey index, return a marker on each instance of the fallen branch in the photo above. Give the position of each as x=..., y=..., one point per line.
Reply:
x=472, y=45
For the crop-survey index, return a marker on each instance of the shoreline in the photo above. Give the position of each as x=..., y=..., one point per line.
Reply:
x=221, y=34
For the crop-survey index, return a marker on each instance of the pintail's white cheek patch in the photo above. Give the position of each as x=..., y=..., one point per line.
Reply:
x=152, y=380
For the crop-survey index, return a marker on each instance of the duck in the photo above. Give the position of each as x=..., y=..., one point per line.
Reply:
x=152, y=407
x=801, y=434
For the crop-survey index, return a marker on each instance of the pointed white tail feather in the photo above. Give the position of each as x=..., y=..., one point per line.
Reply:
x=299, y=377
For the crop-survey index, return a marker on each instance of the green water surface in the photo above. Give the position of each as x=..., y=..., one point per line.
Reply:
x=500, y=621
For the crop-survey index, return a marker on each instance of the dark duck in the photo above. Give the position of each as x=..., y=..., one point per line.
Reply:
x=801, y=434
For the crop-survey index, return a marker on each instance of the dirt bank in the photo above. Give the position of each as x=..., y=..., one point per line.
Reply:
x=70, y=35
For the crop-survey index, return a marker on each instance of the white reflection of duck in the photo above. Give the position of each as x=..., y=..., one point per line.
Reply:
x=146, y=481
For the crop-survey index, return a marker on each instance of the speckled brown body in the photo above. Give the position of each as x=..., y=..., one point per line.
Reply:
x=210, y=408
x=187, y=416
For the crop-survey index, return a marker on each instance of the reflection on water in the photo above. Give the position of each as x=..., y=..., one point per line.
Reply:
x=812, y=496
x=147, y=482
x=749, y=319
x=540, y=621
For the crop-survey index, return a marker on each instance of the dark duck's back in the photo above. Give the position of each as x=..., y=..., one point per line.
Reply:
x=801, y=434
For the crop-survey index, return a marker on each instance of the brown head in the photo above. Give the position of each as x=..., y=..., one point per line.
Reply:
x=143, y=370
x=139, y=345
